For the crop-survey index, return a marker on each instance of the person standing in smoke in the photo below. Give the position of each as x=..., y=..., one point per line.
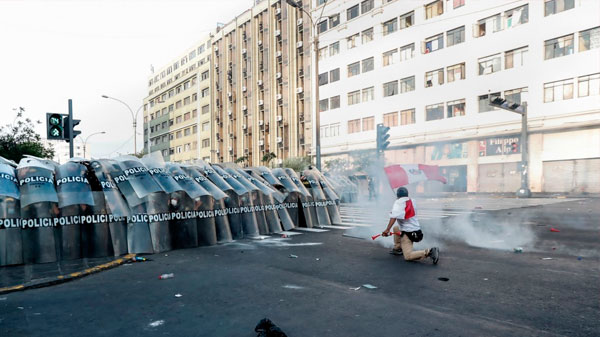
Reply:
x=409, y=229
x=371, y=189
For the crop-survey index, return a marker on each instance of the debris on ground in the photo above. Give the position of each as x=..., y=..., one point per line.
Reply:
x=485, y=279
x=156, y=323
x=547, y=258
x=166, y=276
x=318, y=259
x=580, y=258
x=292, y=256
x=355, y=289
x=266, y=328
x=140, y=259
x=292, y=286
x=369, y=286
x=178, y=295
x=552, y=229
x=518, y=250
x=445, y=279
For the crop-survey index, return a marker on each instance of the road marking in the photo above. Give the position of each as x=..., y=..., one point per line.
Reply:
x=336, y=227
x=315, y=230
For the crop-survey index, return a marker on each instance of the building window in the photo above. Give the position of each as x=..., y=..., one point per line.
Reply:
x=368, y=123
x=390, y=26
x=195, y=129
x=589, y=39
x=458, y=3
x=407, y=52
x=186, y=100
x=456, y=72
x=334, y=20
x=323, y=78
x=433, y=43
x=455, y=36
x=204, y=75
x=368, y=94
x=334, y=75
x=353, y=69
x=558, y=47
x=324, y=105
x=408, y=84
x=389, y=56
x=407, y=117
x=334, y=130
x=205, y=109
x=489, y=64
x=187, y=132
x=323, y=53
x=324, y=131
x=352, y=12
x=558, y=91
x=205, y=92
x=354, y=97
x=320, y=2
x=178, y=135
x=390, y=88
x=354, y=126
x=488, y=25
x=367, y=35
x=334, y=102
x=322, y=26
x=484, y=101
x=366, y=6
x=456, y=108
x=178, y=119
x=334, y=48
x=187, y=116
x=368, y=64
x=390, y=119
x=194, y=113
x=177, y=104
x=434, y=9
x=589, y=85
x=206, y=126
x=557, y=6
x=407, y=20
x=351, y=40
x=206, y=142
x=518, y=96
x=517, y=16
x=434, y=111
x=515, y=58
x=434, y=78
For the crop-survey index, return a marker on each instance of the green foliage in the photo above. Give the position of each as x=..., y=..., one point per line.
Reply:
x=297, y=164
x=358, y=162
x=268, y=157
x=338, y=166
x=19, y=139
x=241, y=160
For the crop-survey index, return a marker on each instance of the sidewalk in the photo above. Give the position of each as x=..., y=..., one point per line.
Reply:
x=22, y=277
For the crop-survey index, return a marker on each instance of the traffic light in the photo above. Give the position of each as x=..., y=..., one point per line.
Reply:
x=382, y=137
x=502, y=103
x=55, y=126
x=70, y=127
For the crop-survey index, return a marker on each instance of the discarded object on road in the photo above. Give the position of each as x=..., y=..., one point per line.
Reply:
x=579, y=258
x=166, y=276
x=355, y=289
x=392, y=233
x=292, y=256
x=140, y=259
x=445, y=279
x=547, y=258
x=518, y=250
x=178, y=295
x=554, y=230
x=266, y=328
x=369, y=286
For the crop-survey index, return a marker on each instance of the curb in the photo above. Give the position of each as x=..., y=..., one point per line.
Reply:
x=49, y=281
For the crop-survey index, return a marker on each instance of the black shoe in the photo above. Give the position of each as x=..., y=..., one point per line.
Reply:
x=396, y=252
x=434, y=254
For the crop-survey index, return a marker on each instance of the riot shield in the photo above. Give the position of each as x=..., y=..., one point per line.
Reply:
x=110, y=202
x=255, y=195
x=139, y=180
x=266, y=201
x=249, y=222
x=265, y=175
x=292, y=198
x=305, y=200
x=333, y=200
x=39, y=205
x=318, y=197
x=11, y=248
x=208, y=207
x=74, y=200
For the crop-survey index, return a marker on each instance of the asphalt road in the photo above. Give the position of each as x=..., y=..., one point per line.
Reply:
x=225, y=290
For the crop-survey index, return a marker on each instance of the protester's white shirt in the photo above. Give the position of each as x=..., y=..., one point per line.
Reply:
x=399, y=212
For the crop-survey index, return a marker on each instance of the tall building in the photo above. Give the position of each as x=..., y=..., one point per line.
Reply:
x=177, y=110
x=62, y=150
x=426, y=70
x=260, y=85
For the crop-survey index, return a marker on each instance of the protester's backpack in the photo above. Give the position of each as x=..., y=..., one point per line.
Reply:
x=415, y=236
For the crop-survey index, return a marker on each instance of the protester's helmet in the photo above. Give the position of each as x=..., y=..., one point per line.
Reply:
x=401, y=192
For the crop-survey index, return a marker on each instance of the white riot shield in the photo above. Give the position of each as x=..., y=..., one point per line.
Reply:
x=11, y=248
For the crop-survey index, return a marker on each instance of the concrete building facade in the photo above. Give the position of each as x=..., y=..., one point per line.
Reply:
x=428, y=68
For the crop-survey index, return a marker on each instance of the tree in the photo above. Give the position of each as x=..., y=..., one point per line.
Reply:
x=337, y=166
x=19, y=139
x=297, y=163
x=241, y=160
x=268, y=157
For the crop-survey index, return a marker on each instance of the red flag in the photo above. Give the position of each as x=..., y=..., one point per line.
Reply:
x=401, y=175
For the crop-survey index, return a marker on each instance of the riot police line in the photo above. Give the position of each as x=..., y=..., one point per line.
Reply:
x=110, y=207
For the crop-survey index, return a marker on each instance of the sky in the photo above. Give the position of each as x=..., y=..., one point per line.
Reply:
x=52, y=51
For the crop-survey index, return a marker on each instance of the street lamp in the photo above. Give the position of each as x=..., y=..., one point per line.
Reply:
x=315, y=34
x=133, y=116
x=88, y=137
x=521, y=109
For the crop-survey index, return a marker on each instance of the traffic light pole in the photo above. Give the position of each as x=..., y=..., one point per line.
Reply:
x=70, y=126
x=524, y=191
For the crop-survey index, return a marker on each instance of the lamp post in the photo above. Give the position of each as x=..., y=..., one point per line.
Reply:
x=133, y=116
x=88, y=137
x=315, y=34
